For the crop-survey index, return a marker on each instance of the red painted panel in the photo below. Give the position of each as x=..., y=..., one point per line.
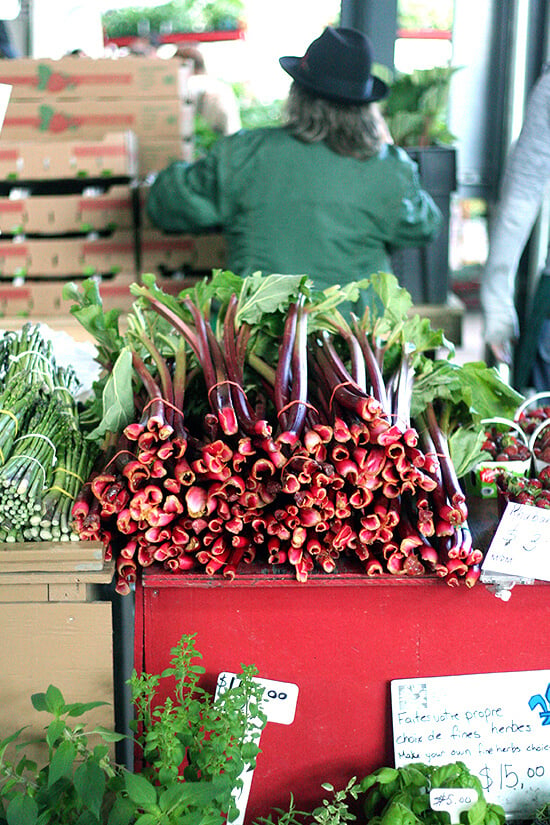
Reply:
x=341, y=643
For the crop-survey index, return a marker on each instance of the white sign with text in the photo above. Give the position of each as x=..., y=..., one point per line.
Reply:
x=498, y=724
x=519, y=547
x=453, y=800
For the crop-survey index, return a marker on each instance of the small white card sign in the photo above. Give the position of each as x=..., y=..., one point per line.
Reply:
x=453, y=800
x=520, y=545
x=279, y=702
x=497, y=724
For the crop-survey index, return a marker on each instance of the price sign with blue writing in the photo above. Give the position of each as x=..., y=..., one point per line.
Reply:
x=498, y=724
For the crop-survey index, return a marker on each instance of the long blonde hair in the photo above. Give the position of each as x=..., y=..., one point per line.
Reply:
x=353, y=130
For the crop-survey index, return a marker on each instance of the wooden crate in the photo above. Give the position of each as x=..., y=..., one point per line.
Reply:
x=55, y=631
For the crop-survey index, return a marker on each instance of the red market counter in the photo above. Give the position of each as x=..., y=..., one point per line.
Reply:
x=340, y=639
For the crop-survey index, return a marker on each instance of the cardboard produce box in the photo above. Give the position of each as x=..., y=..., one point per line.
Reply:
x=68, y=257
x=64, y=214
x=83, y=77
x=92, y=118
x=159, y=252
x=111, y=155
x=44, y=298
x=154, y=155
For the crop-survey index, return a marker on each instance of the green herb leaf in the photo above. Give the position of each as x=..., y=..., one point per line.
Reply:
x=122, y=812
x=62, y=762
x=22, y=810
x=39, y=701
x=54, y=701
x=55, y=731
x=80, y=708
x=89, y=781
x=106, y=734
x=140, y=790
x=147, y=819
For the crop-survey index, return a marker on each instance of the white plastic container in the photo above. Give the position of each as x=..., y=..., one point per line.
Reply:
x=481, y=481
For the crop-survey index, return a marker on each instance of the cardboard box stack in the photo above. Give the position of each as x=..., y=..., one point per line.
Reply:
x=83, y=98
x=67, y=211
x=78, y=135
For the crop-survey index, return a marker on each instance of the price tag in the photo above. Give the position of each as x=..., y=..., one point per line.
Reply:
x=519, y=546
x=453, y=800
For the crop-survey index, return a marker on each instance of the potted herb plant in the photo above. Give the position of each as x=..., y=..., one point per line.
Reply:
x=194, y=749
x=400, y=796
x=415, y=111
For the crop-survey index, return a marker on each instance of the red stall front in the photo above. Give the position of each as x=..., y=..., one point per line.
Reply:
x=341, y=639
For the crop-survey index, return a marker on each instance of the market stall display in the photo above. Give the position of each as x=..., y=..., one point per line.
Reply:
x=249, y=420
x=251, y=461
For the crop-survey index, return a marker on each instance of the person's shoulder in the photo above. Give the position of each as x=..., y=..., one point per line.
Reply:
x=250, y=138
x=541, y=87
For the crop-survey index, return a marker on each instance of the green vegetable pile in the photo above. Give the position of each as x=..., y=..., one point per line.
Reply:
x=260, y=418
x=44, y=457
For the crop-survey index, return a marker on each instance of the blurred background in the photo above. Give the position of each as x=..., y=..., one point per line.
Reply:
x=496, y=49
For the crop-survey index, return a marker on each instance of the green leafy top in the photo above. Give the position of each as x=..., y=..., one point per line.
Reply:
x=416, y=107
x=462, y=394
x=395, y=796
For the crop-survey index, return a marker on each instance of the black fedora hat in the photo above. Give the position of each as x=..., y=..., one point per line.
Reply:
x=337, y=66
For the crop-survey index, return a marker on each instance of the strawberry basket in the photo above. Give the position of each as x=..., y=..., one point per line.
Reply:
x=507, y=447
x=533, y=416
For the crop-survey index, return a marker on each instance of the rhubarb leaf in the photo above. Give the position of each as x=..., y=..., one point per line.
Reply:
x=117, y=398
x=265, y=295
x=473, y=385
x=222, y=286
x=149, y=288
x=489, y=394
x=325, y=303
x=465, y=449
x=102, y=324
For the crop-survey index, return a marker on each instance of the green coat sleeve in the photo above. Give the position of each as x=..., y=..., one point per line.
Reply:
x=187, y=197
x=416, y=217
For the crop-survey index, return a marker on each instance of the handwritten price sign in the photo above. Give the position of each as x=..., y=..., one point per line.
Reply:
x=453, y=800
x=498, y=724
x=506, y=776
x=519, y=546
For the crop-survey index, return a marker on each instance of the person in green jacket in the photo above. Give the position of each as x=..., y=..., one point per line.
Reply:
x=326, y=195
